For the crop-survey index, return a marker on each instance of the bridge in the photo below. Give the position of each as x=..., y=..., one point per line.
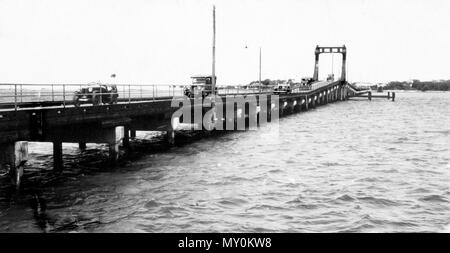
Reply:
x=46, y=113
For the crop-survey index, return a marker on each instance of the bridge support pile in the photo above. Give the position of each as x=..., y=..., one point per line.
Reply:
x=369, y=95
x=82, y=145
x=13, y=157
x=171, y=136
x=112, y=136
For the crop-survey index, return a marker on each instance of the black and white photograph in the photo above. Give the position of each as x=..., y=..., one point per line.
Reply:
x=193, y=117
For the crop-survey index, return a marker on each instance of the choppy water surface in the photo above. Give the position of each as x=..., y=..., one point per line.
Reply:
x=355, y=166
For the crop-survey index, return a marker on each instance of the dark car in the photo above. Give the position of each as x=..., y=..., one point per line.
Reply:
x=96, y=94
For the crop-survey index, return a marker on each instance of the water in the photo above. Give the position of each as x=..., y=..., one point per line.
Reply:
x=356, y=166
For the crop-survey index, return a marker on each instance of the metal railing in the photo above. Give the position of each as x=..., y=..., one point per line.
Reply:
x=29, y=95
x=20, y=95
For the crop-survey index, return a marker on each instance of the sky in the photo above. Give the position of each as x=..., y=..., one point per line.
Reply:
x=167, y=41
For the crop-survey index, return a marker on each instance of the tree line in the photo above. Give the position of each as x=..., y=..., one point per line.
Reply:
x=441, y=85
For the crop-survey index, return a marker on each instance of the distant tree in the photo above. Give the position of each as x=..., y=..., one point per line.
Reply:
x=396, y=85
x=266, y=82
x=442, y=85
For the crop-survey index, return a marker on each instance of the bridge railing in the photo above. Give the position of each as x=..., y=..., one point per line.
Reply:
x=18, y=95
x=29, y=95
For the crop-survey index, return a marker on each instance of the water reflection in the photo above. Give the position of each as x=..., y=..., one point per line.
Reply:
x=39, y=207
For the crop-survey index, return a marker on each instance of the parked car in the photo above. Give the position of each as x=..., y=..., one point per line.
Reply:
x=330, y=78
x=97, y=94
x=283, y=88
x=307, y=81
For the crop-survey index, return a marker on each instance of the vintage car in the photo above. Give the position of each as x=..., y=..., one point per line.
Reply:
x=330, y=78
x=307, y=81
x=97, y=94
x=201, y=86
x=283, y=88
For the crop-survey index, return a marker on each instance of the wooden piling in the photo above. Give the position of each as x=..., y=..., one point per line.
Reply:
x=57, y=156
x=171, y=137
x=82, y=145
x=126, y=139
x=13, y=157
x=370, y=95
x=393, y=96
x=115, y=137
x=113, y=153
x=132, y=134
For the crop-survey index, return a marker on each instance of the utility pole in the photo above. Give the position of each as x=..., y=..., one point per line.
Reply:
x=260, y=87
x=213, y=81
x=214, y=54
x=332, y=64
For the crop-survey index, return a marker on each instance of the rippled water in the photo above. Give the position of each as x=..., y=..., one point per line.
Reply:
x=355, y=166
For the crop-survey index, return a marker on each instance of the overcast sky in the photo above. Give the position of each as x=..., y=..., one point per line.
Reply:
x=167, y=41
